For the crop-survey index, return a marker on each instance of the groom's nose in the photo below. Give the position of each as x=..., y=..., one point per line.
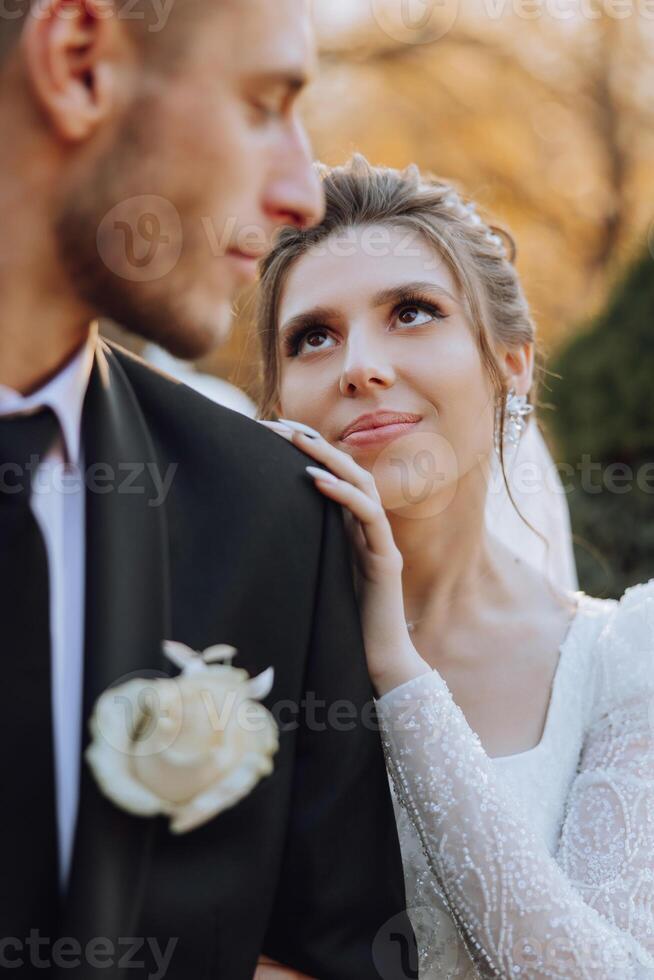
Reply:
x=294, y=194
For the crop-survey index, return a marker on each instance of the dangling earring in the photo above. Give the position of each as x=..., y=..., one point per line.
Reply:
x=516, y=409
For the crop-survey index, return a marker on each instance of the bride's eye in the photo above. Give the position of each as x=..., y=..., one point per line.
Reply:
x=307, y=340
x=416, y=314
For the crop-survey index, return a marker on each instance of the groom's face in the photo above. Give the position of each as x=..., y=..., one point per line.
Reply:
x=161, y=219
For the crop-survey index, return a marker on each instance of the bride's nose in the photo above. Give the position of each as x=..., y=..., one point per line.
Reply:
x=364, y=368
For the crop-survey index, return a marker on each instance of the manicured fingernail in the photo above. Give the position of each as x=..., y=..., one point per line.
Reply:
x=323, y=475
x=301, y=427
x=281, y=430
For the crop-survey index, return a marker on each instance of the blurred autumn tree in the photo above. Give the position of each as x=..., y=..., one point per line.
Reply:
x=604, y=422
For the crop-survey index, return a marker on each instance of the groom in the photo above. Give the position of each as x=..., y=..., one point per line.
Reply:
x=148, y=154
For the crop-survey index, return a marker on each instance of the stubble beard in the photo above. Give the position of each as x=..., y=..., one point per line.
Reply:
x=168, y=311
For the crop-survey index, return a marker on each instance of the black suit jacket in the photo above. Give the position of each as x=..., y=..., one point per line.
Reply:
x=242, y=550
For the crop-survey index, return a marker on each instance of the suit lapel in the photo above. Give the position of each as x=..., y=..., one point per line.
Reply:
x=127, y=616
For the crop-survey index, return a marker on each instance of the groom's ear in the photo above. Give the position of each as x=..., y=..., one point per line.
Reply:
x=76, y=54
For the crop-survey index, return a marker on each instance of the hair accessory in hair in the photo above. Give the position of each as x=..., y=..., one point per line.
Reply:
x=497, y=241
x=471, y=209
x=412, y=172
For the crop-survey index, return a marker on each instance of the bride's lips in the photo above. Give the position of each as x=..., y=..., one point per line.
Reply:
x=378, y=427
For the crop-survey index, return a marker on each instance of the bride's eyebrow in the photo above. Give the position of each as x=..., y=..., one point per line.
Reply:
x=308, y=318
x=391, y=295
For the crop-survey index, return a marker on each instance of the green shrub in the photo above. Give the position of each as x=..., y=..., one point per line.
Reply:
x=604, y=414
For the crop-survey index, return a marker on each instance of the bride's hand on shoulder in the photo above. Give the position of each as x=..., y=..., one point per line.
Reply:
x=392, y=657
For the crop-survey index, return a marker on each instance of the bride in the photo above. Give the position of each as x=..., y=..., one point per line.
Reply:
x=517, y=716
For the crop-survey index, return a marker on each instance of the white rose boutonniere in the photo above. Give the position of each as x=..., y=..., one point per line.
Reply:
x=189, y=746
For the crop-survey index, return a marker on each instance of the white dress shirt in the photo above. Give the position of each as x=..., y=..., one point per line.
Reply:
x=58, y=505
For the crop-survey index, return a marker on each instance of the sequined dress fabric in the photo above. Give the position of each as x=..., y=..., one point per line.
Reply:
x=539, y=864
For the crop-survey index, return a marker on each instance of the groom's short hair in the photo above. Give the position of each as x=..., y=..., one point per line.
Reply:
x=142, y=22
x=11, y=23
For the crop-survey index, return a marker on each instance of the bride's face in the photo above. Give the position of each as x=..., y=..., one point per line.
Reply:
x=365, y=329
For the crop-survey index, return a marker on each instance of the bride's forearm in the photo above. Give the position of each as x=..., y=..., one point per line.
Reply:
x=394, y=668
x=391, y=656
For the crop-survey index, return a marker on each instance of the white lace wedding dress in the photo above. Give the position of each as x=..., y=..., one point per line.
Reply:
x=539, y=864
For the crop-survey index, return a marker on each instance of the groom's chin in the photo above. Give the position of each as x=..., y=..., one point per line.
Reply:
x=190, y=342
x=183, y=334
x=193, y=340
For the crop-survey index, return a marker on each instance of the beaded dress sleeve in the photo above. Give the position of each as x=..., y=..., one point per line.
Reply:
x=586, y=912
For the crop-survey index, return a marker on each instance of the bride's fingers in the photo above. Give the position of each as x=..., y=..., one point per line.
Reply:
x=347, y=483
x=367, y=511
x=268, y=969
x=356, y=536
x=323, y=452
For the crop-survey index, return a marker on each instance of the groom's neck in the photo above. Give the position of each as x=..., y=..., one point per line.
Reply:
x=39, y=333
x=42, y=320
x=25, y=369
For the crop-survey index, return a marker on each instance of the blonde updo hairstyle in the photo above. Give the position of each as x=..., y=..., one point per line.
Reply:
x=480, y=257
